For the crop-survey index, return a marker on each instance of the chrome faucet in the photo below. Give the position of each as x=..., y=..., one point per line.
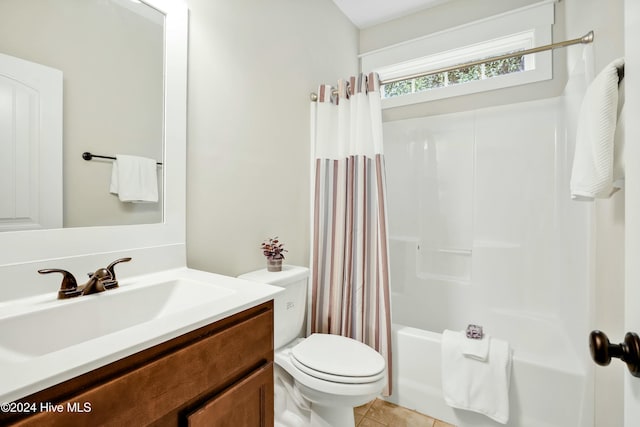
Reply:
x=99, y=281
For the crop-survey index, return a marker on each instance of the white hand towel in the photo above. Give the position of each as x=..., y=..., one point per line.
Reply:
x=475, y=385
x=477, y=349
x=592, y=173
x=134, y=179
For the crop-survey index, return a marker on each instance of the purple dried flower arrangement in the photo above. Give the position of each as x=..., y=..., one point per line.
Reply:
x=273, y=248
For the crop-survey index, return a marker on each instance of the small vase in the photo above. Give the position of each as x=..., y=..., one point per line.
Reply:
x=274, y=264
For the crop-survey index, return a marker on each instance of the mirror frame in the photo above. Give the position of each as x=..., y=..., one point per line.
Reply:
x=18, y=247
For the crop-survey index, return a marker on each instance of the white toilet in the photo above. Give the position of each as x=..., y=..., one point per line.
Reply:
x=319, y=379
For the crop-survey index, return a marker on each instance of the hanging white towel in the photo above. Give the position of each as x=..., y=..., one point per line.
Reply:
x=477, y=348
x=593, y=161
x=619, y=141
x=134, y=179
x=470, y=384
x=618, y=152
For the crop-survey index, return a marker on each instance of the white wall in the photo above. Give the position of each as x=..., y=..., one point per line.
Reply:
x=632, y=274
x=607, y=21
x=252, y=65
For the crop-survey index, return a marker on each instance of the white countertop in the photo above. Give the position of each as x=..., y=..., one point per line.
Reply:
x=27, y=374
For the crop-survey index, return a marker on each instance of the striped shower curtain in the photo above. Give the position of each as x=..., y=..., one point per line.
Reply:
x=350, y=263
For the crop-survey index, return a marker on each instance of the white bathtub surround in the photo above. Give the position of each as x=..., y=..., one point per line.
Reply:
x=350, y=264
x=476, y=385
x=483, y=230
x=593, y=164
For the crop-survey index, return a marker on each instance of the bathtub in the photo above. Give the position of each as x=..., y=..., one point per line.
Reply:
x=542, y=393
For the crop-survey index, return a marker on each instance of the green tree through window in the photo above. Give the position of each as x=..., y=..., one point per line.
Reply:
x=483, y=71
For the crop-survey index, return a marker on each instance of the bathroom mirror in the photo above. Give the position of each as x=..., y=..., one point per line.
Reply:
x=111, y=56
x=33, y=246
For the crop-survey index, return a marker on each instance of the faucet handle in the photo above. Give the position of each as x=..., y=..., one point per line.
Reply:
x=112, y=282
x=111, y=266
x=105, y=279
x=68, y=287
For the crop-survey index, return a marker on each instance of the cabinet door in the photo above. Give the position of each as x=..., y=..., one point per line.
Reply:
x=248, y=403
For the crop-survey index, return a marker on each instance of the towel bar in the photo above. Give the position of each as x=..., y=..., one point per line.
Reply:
x=88, y=156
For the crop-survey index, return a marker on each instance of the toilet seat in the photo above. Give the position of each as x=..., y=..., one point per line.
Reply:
x=324, y=392
x=338, y=359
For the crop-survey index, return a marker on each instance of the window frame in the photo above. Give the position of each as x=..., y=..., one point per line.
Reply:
x=521, y=28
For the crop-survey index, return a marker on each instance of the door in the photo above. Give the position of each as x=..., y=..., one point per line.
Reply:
x=30, y=145
x=632, y=199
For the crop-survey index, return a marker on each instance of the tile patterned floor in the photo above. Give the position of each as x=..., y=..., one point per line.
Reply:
x=380, y=413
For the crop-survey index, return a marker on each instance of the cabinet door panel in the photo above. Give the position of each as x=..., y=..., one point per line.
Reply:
x=248, y=403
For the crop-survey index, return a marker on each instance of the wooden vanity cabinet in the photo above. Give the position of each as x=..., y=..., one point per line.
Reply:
x=218, y=375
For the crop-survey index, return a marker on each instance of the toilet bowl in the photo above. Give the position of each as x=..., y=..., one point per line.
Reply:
x=321, y=378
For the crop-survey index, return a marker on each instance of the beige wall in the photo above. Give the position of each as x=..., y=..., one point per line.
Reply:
x=252, y=65
x=433, y=20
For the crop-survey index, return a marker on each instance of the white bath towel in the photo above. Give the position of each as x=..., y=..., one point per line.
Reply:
x=479, y=386
x=134, y=179
x=476, y=348
x=592, y=173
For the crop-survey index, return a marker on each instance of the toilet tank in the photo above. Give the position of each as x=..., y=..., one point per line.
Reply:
x=289, y=307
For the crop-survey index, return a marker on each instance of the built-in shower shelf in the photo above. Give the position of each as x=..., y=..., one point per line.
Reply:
x=444, y=264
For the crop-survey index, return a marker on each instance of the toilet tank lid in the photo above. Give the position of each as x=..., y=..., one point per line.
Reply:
x=289, y=274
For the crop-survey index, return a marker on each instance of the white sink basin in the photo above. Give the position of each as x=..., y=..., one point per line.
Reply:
x=45, y=341
x=83, y=318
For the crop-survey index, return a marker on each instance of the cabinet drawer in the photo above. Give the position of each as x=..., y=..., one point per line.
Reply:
x=172, y=382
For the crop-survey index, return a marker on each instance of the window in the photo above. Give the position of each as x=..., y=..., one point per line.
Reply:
x=510, y=32
x=482, y=71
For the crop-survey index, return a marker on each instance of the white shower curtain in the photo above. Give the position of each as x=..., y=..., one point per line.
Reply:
x=350, y=262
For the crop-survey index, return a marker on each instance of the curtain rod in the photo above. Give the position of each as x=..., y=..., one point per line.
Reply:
x=586, y=39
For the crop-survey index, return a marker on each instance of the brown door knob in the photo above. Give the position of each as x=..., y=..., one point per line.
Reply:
x=602, y=351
